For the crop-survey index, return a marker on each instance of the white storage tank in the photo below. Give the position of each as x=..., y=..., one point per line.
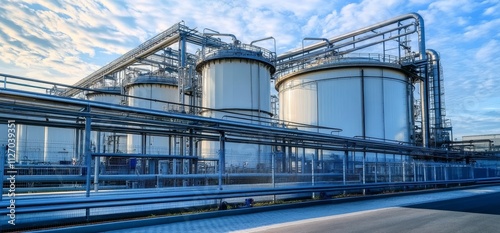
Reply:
x=363, y=97
x=110, y=142
x=109, y=95
x=30, y=144
x=4, y=137
x=151, y=90
x=59, y=145
x=236, y=86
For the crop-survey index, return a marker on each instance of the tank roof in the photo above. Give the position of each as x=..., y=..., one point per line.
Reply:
x=341, y=63
x=242, y=51
x=105, y=90
x=146, y=79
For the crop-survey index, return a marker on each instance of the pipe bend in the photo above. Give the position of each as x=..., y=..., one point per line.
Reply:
x=433, y=54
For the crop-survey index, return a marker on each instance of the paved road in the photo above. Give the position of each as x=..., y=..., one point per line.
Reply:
x=471, y=214
x=470, y=210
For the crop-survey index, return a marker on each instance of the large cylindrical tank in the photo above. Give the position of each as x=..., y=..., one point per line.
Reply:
x=110, y=95
x=236, y=86
x=59, y=145
x=151, y=90
x=4, y=137
x=110, y=142
x=364, y=98
x=30, y=143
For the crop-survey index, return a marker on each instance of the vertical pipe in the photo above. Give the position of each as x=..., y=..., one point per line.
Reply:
x=182, y=161
x=303, y=167
x=283, y=158
x=424, y=102
x=425, y=171
x=143, y=151
x=273, y=172
x=172, y=150
x=435, y=173
x=3, y=154
x=313, y=166
x=363, y=115
x=386, y=170
x=88, y=154
x=312, y=174
x=222, y=157
x=191, y=150
x=391, y=167
x=169, y=144
x=296, y=159
x=344, y=167
x=436, y=89
x=181, y=145
x=472, y=171
x=445, y=171
x=364, y=168
x=182, y=68
x=414, y=171
x=81, y=143
x=411, y=118
x=97, y=162
x=376, y=167
x=77, y=144
x=403, y=167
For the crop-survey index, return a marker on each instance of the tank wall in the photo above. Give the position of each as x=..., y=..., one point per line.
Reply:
x=334, y=98
x=109, y=142
x=302, y=95
x=106, y=98
x=236, y=84
x=59, y=145
x=162, y=92
x=240, y=86
x=4, y=137
x=153, y=91
x=30, y=143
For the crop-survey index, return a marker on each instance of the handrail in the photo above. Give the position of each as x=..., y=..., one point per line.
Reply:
x=418, y=21
x=58, y=204
x=30, y=206
x=145, y=48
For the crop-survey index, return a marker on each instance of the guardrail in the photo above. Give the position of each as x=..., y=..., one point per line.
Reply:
x=47, y=206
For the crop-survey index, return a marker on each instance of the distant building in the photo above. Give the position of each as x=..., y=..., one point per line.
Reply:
x=486, y=142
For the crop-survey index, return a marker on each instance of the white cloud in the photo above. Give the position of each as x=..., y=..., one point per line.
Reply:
x=482, y=29
x=488, y=51
x=65, y=41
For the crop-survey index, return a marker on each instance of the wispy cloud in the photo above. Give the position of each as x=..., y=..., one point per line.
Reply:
x=66, y=40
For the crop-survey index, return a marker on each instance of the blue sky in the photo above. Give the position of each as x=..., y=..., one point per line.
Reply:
x=64, y=41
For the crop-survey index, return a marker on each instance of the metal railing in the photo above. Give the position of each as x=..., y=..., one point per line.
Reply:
x=325, y=61
x=108, y=207
x=235, y=51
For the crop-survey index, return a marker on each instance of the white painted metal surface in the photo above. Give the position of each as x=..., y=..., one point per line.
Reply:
x=236, y=84
x=109, y=142
x=239, y=87
x=334, y=96
x=59, y=145
x=153, y=89
x=30, y=143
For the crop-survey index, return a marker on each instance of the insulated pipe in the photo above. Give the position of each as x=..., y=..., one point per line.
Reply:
x=228, y=124
x=222, y=158
x=436, y=89
x=222, y=34
x=419, y=23
x=88, y=152
x=425, y=113
x=267, y=38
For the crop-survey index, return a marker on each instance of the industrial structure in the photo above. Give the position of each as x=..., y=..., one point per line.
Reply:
x=363, y=107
